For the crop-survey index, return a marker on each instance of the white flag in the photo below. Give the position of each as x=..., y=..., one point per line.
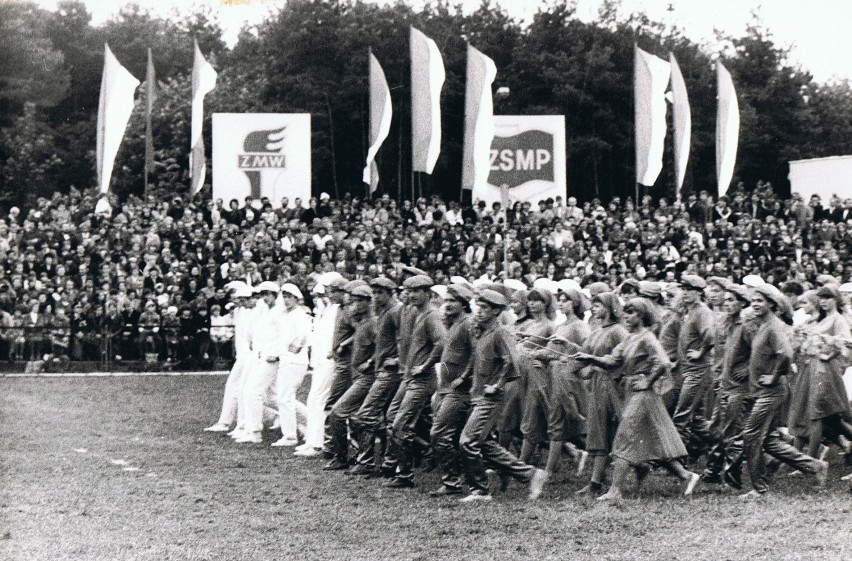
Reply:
x=682, y=123
x=650, y=78
x=114, y=109
x=478, y=119
x=203, y=82
x=380, y=119
x=727, y=128
x=427, y=79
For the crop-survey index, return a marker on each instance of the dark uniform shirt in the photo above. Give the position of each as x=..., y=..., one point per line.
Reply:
x=458, y=350
x=427, y=342
x=343, y=330
x=696, y=333
x=771, y=353
x=363, y=345
x=387, y=329
x=492, y=353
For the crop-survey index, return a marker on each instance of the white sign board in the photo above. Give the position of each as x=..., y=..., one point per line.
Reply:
x=822, y=176
x=528, y=155
x=261, y=155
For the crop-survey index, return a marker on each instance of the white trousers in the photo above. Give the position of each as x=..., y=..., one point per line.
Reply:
x=259, y=394
x=321, y=377
x=290, y=377
x=233, y=387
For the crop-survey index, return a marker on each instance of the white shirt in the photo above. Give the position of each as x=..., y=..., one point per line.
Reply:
x=296, y=331
x=323, y=333
x=266, y=330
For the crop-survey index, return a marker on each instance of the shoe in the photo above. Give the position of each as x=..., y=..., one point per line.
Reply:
x=236, y=431
x=581, y=465
x=398, y=483
x=285, y=442
x=359, y=469
x=276, y=425
x=846, y=477
x=750, y=495
x=537, y=482
x=590, y=489
x=610, y=495
x=711, y=478
x=302, y=446
x=497, y=481
x=335, y=465
x=476, y=496
x=309, y=452
x=444, y=491
x=690, y=485
x=822, y=473
x=796, y=473
x=218, y=427
x=823, y=452
x=249, y=438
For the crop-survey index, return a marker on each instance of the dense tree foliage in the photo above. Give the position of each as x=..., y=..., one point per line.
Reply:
x=311, y=56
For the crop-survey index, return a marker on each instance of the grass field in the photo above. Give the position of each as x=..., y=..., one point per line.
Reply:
x=119, y=469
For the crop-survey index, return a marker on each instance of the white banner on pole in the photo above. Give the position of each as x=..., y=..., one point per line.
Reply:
x=651, y=76
x=261, y=155
x=682, y=122
x=527, y=155
x=727, y=128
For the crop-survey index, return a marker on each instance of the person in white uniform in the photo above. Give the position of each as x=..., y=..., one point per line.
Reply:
x=231, y=413
x=293, y=365
x=267, y=328
x=328, y=296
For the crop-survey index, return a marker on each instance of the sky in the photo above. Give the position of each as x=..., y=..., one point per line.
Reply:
x=816, y=30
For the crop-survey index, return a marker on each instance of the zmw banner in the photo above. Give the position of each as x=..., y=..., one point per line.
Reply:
x=261, y=155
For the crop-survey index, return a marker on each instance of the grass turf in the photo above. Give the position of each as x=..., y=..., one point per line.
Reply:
x=118, y=468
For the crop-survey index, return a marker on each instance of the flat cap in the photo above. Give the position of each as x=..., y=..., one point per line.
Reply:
x=598, y=288
x=439, y=289
x=383, y=282
x=773, y=295
x=413, y=271
x=362, y=291
x=649, y=289
x=418, y=281
x=460, y=292
x=241, y=292
x=693, y=282
x=740, y=291
x=514, y=284
x=291, y=289
x=267, y=286
x=353, y=284
x=721, y=282
x=493, y=298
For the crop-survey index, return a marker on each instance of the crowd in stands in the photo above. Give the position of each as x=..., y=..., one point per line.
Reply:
x=147, y=278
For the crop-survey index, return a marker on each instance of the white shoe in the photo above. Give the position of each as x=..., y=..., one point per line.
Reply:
x=276, y=424
x=249, y=438
x=690, y=485
x=846, y=477
x=285, y=442
x=823, y=452
x=302, y=446
x=537, y=482
x=476, y=496
x=581, y=465
x=237, y=434
x=307, y=452
x=218, y=427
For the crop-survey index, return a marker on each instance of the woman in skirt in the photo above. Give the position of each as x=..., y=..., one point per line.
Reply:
x=604, y=394
x=646, y=432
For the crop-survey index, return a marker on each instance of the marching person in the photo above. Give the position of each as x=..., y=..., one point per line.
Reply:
x=694, y=362
x=604, y=398
x=645, y=432
x=424, y=352
x=769, y=364
x=363, y=353
x=258, y=389
x=368, y=419
x=293, y=365
x=231, y=412
x=724, y=464
x=329, y=295
x=451, y=402
x=492, y=376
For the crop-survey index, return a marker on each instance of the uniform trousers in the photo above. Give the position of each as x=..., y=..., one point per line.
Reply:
x=321, y=376
x=290, y=377
x=761, y=435
x=404, y=431
x=335, y=440
x=259, y=393
x=230, y=401
x=481, y=449
x=369, y=418
x=689, y=416
x=726, y=455
x=451, y=409
x=349, y=404
x=389, y=462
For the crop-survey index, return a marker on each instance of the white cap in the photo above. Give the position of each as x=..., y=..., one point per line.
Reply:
x=324, y=196
x=318, y=289
x=514, y=284
x=846, y=287
x=267, y=286
x=291, y=289
x=753, y=281
x=242, y=292
x=460, y=280
x=236, y=285
x=547, y=284
x=567, y=284
x=440, y=290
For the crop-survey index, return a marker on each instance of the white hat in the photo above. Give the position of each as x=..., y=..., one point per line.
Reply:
x=440, y=290
x=291, y=289
x=267, y=286
x=235, y=285
x=460, y=280
x=324, y=196
x=514, y=284
x=567, y=284
x=547, y=284
x=326, y=279
x=753, y=281
x=845, y=287
x=318, y=289
x=242, y=292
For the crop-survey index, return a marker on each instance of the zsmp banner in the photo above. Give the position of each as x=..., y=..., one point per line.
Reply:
x=261, y=155
x=527, y=155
